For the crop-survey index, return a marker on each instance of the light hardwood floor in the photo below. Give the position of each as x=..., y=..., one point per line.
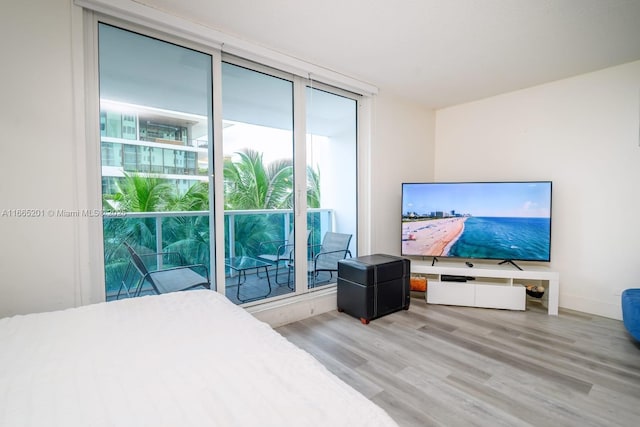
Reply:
x=437, y=365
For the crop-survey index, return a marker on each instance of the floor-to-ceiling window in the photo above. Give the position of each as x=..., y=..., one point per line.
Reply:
x=283, y=139
x=331, y=151
x=155, y=128
x=257, y=110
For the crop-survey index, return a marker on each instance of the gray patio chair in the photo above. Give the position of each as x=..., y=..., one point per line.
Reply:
x=278, y=252
x=164, y=280
x=325, y=257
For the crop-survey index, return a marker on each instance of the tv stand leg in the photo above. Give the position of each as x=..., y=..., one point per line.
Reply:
x=553, y=297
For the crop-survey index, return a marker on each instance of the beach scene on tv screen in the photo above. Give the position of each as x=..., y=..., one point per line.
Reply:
x=507, y=221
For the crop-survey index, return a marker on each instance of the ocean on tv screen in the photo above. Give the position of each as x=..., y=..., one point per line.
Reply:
x=503, y=238
x=479, y=237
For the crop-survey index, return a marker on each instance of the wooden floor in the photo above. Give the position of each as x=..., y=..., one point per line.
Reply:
x=438, y=365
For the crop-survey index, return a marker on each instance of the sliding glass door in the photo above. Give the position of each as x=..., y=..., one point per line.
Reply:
x=287, y=188
x=155, y=129
x=257, y=110
x=331, y=151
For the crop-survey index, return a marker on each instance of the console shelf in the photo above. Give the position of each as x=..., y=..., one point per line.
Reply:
x=492, y=287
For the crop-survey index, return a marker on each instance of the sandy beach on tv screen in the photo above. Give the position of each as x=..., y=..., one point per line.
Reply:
x=431, y=237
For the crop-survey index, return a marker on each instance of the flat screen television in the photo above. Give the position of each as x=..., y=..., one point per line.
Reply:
x=508, y=221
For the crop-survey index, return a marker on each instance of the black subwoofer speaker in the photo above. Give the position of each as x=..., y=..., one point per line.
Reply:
x=374, y=285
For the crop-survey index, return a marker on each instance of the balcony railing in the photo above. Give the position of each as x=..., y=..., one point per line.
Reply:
x=188, y=233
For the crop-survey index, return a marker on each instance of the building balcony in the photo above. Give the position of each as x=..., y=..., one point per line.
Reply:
x=189, y=235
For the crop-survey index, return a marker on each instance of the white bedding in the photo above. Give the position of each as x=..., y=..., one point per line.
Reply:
x=182, y=359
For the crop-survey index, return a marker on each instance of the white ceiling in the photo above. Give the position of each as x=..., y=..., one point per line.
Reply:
x=435, y=52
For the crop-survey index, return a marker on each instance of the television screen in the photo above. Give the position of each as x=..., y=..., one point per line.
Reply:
x=488, y=220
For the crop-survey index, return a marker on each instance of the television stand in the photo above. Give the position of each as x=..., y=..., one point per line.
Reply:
x=492, y=287
x=510, y=261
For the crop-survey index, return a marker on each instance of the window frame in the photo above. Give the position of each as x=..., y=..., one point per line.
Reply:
x=363, y=100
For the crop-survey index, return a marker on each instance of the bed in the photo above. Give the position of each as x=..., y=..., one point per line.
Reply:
x=182, y=359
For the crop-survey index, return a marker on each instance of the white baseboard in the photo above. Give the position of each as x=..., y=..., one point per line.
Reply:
x=591, y=306
x=288, y=310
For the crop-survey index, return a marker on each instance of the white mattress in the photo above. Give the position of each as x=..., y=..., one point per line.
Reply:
x=182, y=359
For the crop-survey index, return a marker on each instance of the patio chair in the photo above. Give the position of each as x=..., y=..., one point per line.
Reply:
x=163, y=280
x=325, y=257
x=278, y=252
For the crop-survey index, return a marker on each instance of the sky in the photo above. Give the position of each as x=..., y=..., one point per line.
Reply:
x=495, y=199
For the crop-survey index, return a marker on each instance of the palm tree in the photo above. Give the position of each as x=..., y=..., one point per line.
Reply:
x=135, y=193
x=196, y=198
x=249, y=184
x=138, y=193
x=188, y=235
x=313, y=188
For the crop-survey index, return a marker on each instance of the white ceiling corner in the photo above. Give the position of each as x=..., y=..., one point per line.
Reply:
x=434, y=52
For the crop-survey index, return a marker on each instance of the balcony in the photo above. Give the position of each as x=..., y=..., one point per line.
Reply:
x=188, y=233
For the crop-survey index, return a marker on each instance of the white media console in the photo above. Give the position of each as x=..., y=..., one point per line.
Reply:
x=494, y=286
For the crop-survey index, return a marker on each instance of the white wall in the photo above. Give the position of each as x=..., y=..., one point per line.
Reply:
x=402, y=150
x=583, y=134
x=39, y=263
